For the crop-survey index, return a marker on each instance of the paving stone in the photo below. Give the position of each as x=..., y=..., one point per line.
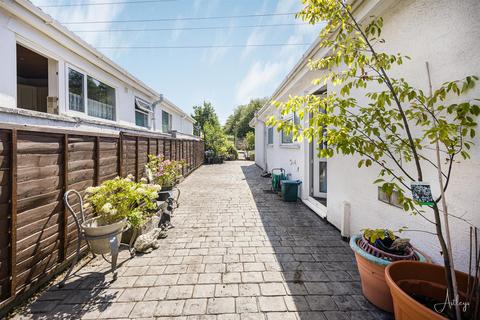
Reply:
x=321, y=303
x=132, y=294
x=143, y=309
x=254, y=266
x=246, y=304
x=296, y=303
x=166, y=279
x=231, y=277
x=156, y=293
x=253, y=316
x=145, y=281
x=180, y=292
x=195, y=306
x=215, y=267
x=204, y=291
x=272, y=289
x=251, y=277
x=226, y=290
x=169, y=308
x=221, y=305
x=249, y=289
x=188, y=278
x=117, y=310
x=210, y=278
x=272, y=304
x=346, y=303
x=281, y=316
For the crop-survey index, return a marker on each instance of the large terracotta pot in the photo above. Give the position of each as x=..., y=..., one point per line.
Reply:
x=92, y=227
x=422, y=279
x=372, y=276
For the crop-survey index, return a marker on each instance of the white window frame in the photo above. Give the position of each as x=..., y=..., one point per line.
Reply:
x=148, y=112
x=268, y=136
x=291, y=117
x=85, y=91
x=170, y=120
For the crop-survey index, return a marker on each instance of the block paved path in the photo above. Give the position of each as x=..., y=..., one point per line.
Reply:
x=237, y=252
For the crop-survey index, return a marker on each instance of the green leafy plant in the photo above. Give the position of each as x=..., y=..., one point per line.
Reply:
x=399, y=128
x=373, y=235
x=121, y=198
x=250, y=140
x=163, y=172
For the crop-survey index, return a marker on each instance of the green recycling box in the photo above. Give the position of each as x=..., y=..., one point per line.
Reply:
x=290, y=190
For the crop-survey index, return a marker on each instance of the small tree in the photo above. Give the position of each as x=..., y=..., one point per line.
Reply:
x=250, y=139
x=380, y=131
x=204, y=114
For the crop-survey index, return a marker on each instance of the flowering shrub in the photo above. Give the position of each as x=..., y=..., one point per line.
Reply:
x=121, y=198
x=163, y=172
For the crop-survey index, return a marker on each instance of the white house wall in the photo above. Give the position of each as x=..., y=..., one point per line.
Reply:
x=447, y=35
x=13, y=30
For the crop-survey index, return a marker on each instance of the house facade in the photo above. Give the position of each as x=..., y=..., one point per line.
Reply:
x=52, y=77
x=444, y=33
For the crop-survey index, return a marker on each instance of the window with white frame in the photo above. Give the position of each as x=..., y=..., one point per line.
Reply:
x=166, y=122
x=287, y=138
x=142, y=113
x=76, y=90
x=270, y=135
x=101, y=98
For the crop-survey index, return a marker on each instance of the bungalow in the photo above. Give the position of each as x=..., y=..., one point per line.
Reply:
x=51, y=77
x=444, y=33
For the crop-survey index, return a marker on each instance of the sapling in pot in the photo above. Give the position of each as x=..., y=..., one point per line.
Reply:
x=401, y=130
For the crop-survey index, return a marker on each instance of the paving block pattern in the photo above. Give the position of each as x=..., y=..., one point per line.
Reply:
x=237, y=252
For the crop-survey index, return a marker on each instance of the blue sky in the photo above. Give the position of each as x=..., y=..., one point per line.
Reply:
x=226, y=77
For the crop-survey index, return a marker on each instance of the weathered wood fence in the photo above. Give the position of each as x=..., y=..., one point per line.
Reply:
x=37, y=235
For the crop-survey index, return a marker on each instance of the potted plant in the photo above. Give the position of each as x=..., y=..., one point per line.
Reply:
x=410, y=135
x=164, y=173
x=374, y=250
x=115, y=203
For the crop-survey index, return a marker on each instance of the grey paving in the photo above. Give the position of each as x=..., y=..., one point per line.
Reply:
x=237, y=252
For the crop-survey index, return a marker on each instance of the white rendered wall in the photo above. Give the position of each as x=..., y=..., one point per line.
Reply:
x=13, y=31
x=447, y=35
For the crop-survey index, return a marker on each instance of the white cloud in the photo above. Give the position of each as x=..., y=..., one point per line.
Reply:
x=105, y=13
x=177, y=24
x=258, y=79
x=264, y=76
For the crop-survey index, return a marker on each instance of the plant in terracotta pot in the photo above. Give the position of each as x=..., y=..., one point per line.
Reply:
x=374, y=250
x=115, y=203
x=408, y=134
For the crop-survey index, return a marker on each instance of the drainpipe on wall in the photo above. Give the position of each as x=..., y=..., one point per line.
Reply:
x=153, y=110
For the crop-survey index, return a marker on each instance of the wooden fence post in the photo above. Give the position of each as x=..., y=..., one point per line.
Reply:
x=120, y=155
x=96, y=161
x=13, y=214
x=136, y=159
x=63, y=252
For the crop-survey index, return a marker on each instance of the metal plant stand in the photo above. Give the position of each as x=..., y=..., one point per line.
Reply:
x=114, y=243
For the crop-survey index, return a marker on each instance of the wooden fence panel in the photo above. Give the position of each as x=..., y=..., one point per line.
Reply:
x=37, y=234
x=5, y=218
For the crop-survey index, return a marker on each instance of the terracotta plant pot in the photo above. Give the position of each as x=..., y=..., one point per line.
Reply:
x=93, y=228
x=405, y=278
x=372, y=275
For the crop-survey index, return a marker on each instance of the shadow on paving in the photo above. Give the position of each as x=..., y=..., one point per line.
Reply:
x=89, y=291
x=318, y=267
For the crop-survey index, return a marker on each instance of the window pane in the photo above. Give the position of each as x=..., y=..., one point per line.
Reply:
x=287, y=138
x=166, y=119
x=141, y=119
x=322, y=176
x=101, y=99
x=270, y=135
x=75, y=90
